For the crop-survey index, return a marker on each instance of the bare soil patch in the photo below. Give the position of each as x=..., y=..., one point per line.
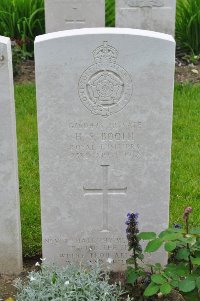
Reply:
x=187, y=73
x=7, y=288
x=26, y=72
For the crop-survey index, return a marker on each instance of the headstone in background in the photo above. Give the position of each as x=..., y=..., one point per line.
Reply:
x=10, y=236
x=156, y=15
x=105, y=123
x=74, y=14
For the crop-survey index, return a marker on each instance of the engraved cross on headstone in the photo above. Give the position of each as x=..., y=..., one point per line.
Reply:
x=146, y=8
x=75, y=18
x=105, y=191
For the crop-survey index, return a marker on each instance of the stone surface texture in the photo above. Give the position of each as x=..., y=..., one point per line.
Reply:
x=105, y=124
x=155, y=15
x=10, y=236
x=74, y=14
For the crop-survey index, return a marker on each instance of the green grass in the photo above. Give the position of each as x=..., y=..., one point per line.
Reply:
x=185, y=174
x=28, y=168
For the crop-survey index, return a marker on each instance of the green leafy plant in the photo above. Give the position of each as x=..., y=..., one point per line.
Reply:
x=188, y=26
x=22, y=20
x=69, y=283
x=183, y=270
x=191, y=58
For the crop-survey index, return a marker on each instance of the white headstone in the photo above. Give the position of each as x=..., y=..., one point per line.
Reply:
x=156, y=15
x=74, y=14
x=105, y=123
x=10, y=236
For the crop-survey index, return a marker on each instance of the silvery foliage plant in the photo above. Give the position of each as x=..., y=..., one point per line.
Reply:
x=69, y=283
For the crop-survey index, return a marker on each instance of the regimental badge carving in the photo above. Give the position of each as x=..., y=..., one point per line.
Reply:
x=105, y=88
x=2, y=60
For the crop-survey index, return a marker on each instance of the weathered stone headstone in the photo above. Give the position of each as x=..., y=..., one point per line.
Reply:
x=156, y=15
x=105, y=122
x=74, y=14
x=10, y=236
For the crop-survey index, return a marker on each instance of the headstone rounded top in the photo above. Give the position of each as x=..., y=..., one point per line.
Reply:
x=96, y=31
x=4, y=40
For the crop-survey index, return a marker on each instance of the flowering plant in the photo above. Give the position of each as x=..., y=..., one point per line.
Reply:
x=68, y=283
x=133, y=273
x=133, y=239
x=183, y=270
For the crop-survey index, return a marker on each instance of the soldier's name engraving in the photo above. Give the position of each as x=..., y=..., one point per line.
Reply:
x=76, y=21
x=145, y=3
x=104, y=140
x=115, y=136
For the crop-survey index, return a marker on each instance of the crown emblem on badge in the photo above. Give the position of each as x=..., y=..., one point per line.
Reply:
x=105, y=88
x=105, y=54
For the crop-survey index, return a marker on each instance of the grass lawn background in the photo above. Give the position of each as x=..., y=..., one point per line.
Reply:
x=185, y=171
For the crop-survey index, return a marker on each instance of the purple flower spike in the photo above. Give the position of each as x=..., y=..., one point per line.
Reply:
x=136, y=215
x=132, y=237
